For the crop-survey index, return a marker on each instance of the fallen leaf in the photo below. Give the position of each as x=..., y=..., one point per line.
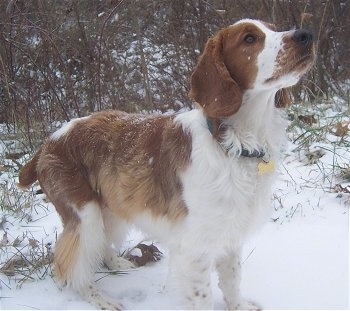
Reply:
x=307, y=119
x=4, y=241
x=341, y=129
x=149, y=253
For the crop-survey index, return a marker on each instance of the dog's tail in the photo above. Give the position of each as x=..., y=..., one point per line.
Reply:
x=28, y=173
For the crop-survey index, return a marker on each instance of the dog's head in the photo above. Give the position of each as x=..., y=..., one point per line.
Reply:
x=249, y=55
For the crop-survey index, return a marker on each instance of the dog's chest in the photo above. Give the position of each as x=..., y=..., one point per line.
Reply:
x=226, y=197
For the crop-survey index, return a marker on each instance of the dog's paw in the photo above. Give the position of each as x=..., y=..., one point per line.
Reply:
x=99, y=300
x=246, y=305
x=118, y=263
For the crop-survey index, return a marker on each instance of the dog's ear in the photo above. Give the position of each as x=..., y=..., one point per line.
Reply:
x=283, y=98
x=212, y=87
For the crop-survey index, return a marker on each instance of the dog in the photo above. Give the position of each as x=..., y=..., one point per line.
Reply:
x=198, y=181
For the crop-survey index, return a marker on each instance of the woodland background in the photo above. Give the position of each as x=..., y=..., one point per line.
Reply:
x=61, y=59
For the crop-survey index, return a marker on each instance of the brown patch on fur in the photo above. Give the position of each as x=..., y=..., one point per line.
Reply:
x=211, y=84
x=129, y=163
x=294, y=57
x=27, y=175
x=282, y=99
x=240, y=57
x=154, y=152
x=226, y=68
x=66, y=252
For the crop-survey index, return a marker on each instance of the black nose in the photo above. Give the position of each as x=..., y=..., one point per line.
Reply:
x=303, y=37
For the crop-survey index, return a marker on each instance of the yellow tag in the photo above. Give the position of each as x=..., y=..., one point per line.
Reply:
x=266, y=167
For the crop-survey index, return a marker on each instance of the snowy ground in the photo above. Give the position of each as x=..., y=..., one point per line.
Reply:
x=299, y=260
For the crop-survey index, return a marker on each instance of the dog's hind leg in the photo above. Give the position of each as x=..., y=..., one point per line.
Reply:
x=116, y=230
x=79, y=252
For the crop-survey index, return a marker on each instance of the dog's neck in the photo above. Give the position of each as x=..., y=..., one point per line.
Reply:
x=257, y=153
x=248, y=126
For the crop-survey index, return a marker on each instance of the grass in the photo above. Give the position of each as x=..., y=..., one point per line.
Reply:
x=23, y=256
x=30, y=261
x=320, y=134
x=323, y=130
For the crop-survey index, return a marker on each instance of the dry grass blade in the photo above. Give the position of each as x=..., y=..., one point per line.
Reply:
x=31, y=261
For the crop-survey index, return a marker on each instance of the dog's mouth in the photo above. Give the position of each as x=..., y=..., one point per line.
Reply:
x=297, y=66
x=303, y=63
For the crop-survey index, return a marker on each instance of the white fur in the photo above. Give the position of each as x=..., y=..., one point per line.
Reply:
x=257, y=124
x=116, y=230
x=66, y=128
x=91, y=245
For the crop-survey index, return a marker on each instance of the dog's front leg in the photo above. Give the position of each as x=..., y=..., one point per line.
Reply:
x=229, y=272
x=190, y=275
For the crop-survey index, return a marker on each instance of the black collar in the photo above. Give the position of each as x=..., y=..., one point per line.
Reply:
x=244, y=152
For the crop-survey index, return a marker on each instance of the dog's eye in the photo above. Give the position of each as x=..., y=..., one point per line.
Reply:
x=250, y=39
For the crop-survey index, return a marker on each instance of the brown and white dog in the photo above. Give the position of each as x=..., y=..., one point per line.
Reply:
x=198, y=181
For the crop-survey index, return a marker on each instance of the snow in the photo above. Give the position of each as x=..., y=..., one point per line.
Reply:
x=298, y=260
x=301, y=264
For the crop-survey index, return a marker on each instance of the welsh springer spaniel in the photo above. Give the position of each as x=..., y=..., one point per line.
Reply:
x=197, y=181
